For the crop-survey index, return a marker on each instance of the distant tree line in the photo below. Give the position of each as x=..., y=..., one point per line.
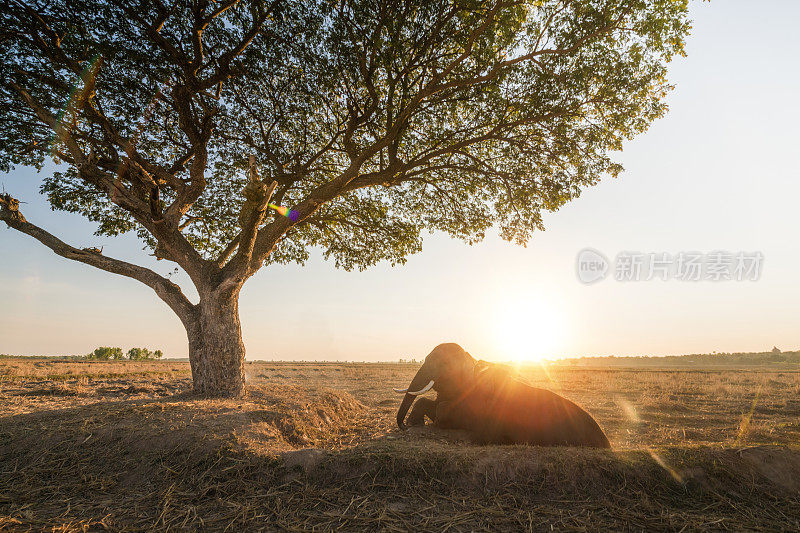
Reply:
x=775, y=356
x=108, y=353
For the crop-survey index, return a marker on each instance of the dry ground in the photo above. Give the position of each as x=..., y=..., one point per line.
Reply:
x=124, y=445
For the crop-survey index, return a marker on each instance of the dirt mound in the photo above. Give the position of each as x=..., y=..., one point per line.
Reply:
x=267, y=420
x=571, y=471
x=778, y=464
x=285, y=457
x=307, y=458
x=298, y=417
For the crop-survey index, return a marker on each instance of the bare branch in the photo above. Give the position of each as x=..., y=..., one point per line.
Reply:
x=164, y=288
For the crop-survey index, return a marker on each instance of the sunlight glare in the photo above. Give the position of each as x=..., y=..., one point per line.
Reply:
x=528, y=329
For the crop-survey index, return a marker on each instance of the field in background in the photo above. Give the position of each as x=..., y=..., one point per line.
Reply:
x=126, y=445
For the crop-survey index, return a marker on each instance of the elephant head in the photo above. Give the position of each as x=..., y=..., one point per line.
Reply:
x=448, y=370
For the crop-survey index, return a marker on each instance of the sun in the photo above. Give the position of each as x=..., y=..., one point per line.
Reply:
x=528, y=329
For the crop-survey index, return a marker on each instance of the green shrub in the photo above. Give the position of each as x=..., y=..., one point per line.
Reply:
x=143, y=354
x=105, y=353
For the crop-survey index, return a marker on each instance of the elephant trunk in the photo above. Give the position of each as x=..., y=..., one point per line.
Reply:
x=421, y=383
x=408, y=399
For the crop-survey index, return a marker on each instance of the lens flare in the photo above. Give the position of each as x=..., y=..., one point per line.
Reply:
x=68, y=116
x=546, y=371
x=629, y=410
x=663, y=464
x=291, y=214
x=744, y=425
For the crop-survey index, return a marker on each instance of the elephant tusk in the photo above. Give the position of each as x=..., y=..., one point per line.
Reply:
x=400, y=391
x=423, y=390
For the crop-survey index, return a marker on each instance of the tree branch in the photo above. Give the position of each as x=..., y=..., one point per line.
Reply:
x=257, y=195
x=166, y=290
x=165, y=231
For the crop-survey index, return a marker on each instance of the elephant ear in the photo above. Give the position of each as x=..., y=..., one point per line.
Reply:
x=493, y=375
x=481, y=367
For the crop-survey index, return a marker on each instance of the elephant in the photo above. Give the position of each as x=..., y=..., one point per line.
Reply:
x=495, y=407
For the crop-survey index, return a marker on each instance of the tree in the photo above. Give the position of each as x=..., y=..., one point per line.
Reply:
x=105, y=353
x=366, y=121
x=137, y=354
x=143, y=354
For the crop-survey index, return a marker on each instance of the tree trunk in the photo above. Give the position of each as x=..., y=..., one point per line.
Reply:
x=216, y=350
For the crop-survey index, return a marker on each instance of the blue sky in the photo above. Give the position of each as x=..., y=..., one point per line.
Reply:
x=719, y=172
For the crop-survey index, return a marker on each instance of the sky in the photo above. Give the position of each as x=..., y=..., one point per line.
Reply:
x=721, y=172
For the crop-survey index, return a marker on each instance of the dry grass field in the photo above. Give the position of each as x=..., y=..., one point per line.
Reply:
x=125, y=446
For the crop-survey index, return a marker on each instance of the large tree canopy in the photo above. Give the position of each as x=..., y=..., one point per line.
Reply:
x=373, y=120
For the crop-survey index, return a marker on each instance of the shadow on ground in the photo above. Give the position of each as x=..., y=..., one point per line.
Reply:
x=287, y=458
